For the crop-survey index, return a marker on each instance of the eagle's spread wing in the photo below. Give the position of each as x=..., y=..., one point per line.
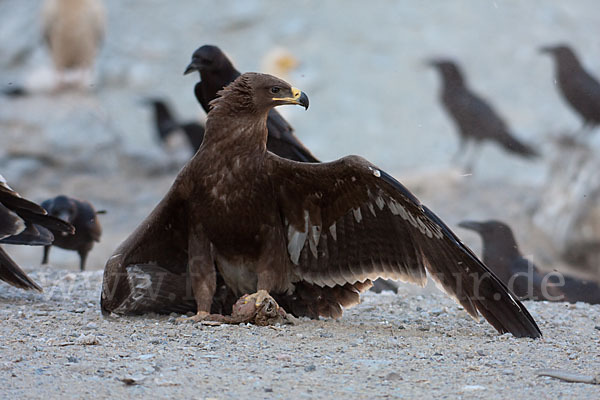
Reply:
x=148, y=270
x=23, y=222
x=14, y=201
x=11, y=273
x=11, y=224
x=32, y=220
x=33, y=235
x=347, y=221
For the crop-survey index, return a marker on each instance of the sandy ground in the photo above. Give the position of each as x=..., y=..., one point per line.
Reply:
x=58, y=345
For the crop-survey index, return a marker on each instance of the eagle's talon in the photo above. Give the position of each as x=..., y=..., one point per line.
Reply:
x=200, y=316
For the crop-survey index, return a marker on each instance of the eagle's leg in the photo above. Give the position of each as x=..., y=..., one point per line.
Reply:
x=202, y=274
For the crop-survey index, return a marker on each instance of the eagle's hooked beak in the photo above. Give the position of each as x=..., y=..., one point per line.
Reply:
x=298, y=97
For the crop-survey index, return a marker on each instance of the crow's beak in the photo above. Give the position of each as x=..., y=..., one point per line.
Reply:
x=191, y=68
x=472, y=225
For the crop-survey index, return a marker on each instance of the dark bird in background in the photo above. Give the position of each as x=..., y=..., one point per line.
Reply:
x=73, y=30
x=501, y=254
x=577, y=86
x=82, y=215
x=313, y=235
x=381, y=285
x=216, y=72
x=166, y=124
x=475, y=119
x=24, y=222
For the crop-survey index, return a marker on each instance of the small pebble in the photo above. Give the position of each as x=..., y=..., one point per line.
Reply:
x=310, y=368
x=91, y=325
x=88, y=340
x=393, y=376
x=472, y=388
x=283, y=357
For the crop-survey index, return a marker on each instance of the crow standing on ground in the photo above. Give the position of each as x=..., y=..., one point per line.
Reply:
x=82, y=215
x=578, y=87
x=23, y=222
x=311, y=234
x=474, y=117
x=166, y=124
x=216, y=72
x=501, y=254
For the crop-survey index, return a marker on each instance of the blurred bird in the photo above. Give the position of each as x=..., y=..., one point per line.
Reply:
x=279, y=62
x=578, y=87
x=474, y=117
x=73, y=30
x=24, y=222
x=382, y=285
x=166, y=124
x=82, y=215
x=216, y=72
x=501, y=254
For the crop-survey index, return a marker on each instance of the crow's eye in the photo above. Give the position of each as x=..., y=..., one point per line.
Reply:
x=275, y=89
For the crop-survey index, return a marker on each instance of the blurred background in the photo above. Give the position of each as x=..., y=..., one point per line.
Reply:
x=363, y=68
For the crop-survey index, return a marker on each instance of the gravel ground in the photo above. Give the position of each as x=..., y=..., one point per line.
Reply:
x=417, y=344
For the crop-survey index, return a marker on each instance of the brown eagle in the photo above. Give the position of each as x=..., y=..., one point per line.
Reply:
x=313, y=235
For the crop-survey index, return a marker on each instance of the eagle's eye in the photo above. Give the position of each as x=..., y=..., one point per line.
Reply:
x=275, y=89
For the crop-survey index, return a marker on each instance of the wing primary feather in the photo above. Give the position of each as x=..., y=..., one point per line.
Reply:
x=12, y=274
